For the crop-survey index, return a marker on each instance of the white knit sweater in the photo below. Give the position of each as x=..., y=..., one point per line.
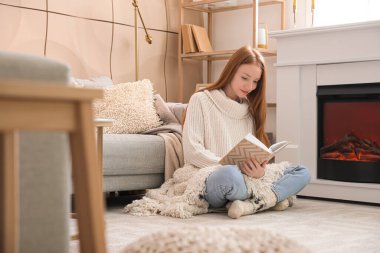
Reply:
x=214, y=124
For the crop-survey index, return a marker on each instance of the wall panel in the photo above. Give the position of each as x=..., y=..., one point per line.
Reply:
x=84, y=44
x=93, y=9
x=22, y=30
x=96, y=37
x=35, y=4
x=122, y=60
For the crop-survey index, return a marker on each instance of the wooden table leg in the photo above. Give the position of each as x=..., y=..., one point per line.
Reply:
x=99, y=145
x=9, y=192
x=86, y=176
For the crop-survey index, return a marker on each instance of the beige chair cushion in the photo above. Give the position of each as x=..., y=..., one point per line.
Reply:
x=131, y=107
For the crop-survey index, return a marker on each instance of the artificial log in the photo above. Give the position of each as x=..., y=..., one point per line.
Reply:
x=351, y=147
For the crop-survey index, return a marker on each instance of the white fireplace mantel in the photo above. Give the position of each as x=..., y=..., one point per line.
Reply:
x=311, y=57
x=330, y=44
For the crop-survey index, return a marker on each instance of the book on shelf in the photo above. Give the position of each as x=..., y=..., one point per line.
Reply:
x=201, y=38
x=251, y=147
x=189, y=45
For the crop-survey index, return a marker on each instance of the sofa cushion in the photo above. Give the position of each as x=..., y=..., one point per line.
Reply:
x=163, y=111
x=131, y=107
x=133, y=154
x=95, y=82
x=178, y=109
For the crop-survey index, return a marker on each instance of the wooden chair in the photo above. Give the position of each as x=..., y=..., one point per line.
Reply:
x=43, y=107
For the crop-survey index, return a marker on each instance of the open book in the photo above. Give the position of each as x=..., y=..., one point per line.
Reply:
x=251, y=147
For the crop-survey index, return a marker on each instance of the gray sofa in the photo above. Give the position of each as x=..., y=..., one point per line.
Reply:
x=135, y=161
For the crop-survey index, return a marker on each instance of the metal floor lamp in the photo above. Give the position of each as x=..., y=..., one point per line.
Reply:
x=148, y=38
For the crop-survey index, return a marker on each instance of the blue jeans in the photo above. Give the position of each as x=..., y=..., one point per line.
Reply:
x=227, y=184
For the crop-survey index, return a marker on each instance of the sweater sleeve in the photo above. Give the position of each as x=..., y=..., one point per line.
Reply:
x=194, y=149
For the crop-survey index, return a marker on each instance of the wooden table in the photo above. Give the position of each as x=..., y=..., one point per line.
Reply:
x=37, y=106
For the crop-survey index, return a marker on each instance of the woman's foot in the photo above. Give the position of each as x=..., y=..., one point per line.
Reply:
x=240, y=208
x=283, y=205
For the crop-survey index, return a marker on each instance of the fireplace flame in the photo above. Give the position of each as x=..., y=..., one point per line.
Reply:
x=351, y=148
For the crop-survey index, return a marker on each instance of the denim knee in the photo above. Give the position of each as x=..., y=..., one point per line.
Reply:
x=305, y=174
x=294, y=180
x=229, y=175
x=227, y=183
x=301, y=172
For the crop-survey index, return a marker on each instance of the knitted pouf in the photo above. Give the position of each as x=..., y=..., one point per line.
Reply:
x=214, y=239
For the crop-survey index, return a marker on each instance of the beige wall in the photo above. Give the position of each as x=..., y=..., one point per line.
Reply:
x=96, y=38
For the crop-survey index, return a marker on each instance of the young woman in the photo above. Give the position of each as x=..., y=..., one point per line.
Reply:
x=217, y=118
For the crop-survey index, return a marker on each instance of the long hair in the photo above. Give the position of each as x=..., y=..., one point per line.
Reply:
x=256, y=98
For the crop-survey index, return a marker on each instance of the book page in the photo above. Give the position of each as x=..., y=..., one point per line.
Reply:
x=278, y=146
x=253, y=139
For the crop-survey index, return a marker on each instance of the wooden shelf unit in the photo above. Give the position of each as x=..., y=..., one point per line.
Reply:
x=214, y=6
x=222, y=54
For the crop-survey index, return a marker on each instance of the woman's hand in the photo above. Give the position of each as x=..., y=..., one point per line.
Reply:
x=252, y=168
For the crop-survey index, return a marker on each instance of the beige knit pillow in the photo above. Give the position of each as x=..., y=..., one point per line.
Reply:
x=131, y=107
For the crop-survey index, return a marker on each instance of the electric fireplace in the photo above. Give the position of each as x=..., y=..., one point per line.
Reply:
x=349, y=133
